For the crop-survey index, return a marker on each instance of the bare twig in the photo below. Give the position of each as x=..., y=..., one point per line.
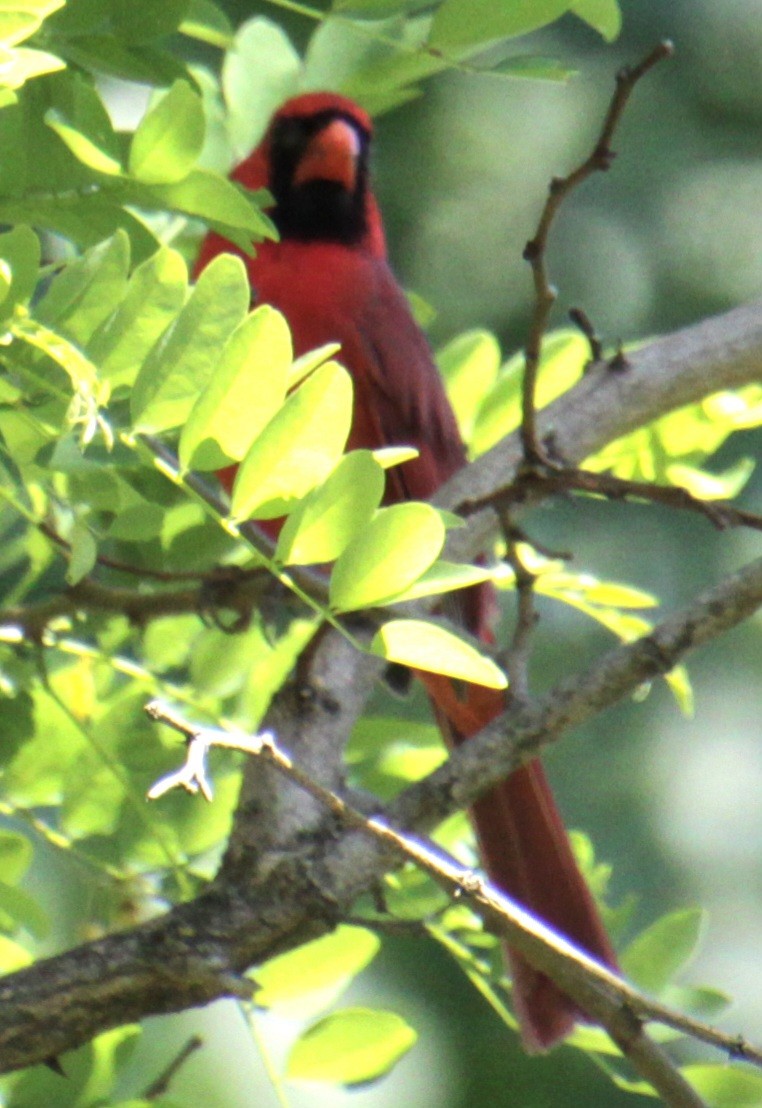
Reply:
x=532, y=485
x=580, y=319
x=518, y=652
x=535, y=251
x=160, y=1085
x=244, y=591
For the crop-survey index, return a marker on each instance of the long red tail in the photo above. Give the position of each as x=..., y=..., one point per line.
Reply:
x=527, y=853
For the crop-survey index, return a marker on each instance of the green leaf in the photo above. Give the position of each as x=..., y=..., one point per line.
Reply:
x=469, y=365
x=322, y=526
x=22, y=910
x=17, y=24
x=480, y=21
x=680, y=686
x=87, y=290
x=389, y=456
x=534, y=67
x=398, y=545
x=13, y=956
x=155, y=294
x=20, y=249
x=603, y=16
x=184, y=359
x=207, y=23
x=245, y=391
x=105, y=53
x=140, y=21
x=84, y=551
x=372, y=9
x=260, y=71
x=22, y=64
x=210, y=197
x=725, y=1086
x=351, y=1047
x=304, y=365
x=79, y=117
x=298, y=448
x=312, y=976
x=82, y=146
x=564, y=354
x=658, y=953
x=169, y=138
x=443, y=577
x=16, y=853
x=428, y=646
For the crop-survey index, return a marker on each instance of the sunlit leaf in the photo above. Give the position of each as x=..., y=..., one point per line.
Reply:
x=299, y=446
x=428, y=646
x=87, y=290
x=169, y=138
x=443, y=577
x=82, y=146
x=181, y=363
x=156, y=292
x=326, y=521
x=351, y=1047
x=469, y=365
x=246, y=389
x=13, y=956
x=394, y=549
x=564, y=354
x=312, y=976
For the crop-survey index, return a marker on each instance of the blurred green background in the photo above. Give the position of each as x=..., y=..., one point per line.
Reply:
x=673, y=233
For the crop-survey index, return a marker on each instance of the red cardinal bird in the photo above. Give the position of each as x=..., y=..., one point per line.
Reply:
x=329, y=275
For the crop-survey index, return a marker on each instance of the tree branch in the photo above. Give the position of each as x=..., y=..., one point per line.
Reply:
x=724, y=352
x=289, y=874
x=598, y=991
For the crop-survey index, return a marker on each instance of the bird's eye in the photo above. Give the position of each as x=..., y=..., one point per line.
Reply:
x=291, y=136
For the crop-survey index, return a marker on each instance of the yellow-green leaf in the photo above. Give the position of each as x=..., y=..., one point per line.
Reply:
x=428, y=646
x=397, y=546
x=351, y=1047
x=245, y=391
x=298, y=448
x=327, y=520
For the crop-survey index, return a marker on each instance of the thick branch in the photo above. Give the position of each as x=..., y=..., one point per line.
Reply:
x=724, y=352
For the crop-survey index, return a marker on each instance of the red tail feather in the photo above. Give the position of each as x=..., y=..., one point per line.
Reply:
x=527, y=854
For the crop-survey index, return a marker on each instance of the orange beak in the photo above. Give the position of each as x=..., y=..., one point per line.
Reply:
x=331, y=155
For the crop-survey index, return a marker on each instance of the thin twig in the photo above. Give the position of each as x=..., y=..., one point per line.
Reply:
x=535, y=484
x=535, y=251
x=518, y=652
x=581, y=320
x=160, y=1085
x=47, y=529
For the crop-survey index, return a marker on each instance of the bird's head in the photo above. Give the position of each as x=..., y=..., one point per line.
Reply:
x=315, y=159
